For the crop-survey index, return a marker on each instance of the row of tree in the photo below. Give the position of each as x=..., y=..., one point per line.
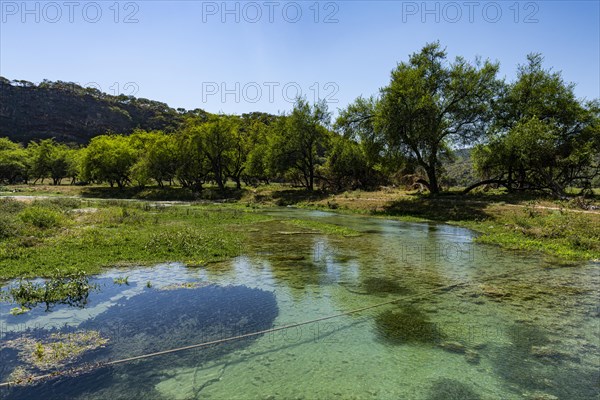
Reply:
x=530, y=134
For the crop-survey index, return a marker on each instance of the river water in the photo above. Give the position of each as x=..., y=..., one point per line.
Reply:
x=470, y=321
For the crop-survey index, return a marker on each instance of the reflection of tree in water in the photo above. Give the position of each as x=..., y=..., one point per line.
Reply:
x=160, y=320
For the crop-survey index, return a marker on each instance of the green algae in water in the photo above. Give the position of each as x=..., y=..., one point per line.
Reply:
x=522, y=364
x=409, y=325
x=56, y=351
x=383, y=285
x=450, y=389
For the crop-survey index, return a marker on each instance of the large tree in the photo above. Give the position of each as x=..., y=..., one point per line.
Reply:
x=301, y=140
x=14, y=162
x=544, y=137
x=432, y=104
x=109, y=158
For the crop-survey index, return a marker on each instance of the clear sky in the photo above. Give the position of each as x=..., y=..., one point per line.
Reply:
x=238, y=57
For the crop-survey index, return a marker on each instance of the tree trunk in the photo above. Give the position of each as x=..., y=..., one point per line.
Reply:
x=220, y=183
x=433, y=181
x=485, y=182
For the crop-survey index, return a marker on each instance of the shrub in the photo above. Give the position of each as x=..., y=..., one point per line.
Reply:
x=8, y=228
x=41, y=217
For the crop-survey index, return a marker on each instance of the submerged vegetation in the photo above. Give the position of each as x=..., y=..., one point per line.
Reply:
x=54, y=352
x=384, y=285
x=407, y=325
x=450, y=389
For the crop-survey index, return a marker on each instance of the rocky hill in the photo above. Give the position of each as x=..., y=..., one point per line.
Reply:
x=71, y=113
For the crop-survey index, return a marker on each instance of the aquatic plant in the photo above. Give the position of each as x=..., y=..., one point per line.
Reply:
x=450, y=389
x=184, y=285
x=407, y=325
x=18, y=310
x=384, y=285
x=72, y=289
x=55, y=351
x=124, y=280
x=323, y=227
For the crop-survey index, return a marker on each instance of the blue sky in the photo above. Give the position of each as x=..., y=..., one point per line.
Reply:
x=238, y=57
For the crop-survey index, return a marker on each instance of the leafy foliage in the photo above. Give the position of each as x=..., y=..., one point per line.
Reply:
x=430, y=105
x=543, y=137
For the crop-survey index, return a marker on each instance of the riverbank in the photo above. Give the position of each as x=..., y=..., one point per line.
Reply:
x=125, y=232
x=568, y=229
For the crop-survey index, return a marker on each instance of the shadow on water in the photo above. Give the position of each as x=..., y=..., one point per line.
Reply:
x=532, y=363
x=154, y=321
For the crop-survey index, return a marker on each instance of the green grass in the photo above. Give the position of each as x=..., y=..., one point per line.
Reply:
x=323, y=227
x=123, y=232
x=565, y=234
x=115, y=233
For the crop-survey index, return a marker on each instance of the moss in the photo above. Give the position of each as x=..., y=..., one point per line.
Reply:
x=407, y=325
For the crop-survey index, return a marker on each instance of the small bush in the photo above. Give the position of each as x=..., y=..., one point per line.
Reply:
x=8, y=227
x=11, y=206
x=41, y=217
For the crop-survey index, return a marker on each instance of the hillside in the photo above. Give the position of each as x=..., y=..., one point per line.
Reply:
x=71, y=113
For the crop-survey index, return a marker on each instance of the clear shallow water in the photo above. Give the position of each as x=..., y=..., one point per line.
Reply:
x=522, y=327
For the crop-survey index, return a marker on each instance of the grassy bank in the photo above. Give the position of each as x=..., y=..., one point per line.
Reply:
x=42, y=236
x=106, y=233
x=59, y=236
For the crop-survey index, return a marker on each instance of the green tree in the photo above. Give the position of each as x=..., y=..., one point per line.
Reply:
x=156, y=157
x=431, y=104
x=347, y=166
x=301, y=140
x=14, y=162
x=543, y=138
x=357, y=122
x=192, y=167
x=109, y=158
x=60, y=163
x=237, y=154
x=217, y=136
x=40, y=156
x=259, y=130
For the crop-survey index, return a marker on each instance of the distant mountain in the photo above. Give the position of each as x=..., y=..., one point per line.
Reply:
x=72, y=113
